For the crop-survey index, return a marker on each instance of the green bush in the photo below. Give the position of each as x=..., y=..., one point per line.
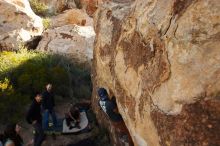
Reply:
x=39, y=8
x=25, y=72
x=46, y=23
x=11, y=102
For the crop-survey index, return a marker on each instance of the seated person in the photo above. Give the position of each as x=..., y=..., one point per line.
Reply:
x=73, y=117
x=108, y=106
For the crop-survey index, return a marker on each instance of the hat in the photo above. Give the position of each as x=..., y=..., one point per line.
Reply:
x=103, y=94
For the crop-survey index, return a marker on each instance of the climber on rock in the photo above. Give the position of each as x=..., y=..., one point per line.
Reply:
x=108, y=106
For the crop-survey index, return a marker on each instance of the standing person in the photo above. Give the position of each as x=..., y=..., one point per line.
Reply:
x=34, y=117
x=48, y=107
x=12, y=134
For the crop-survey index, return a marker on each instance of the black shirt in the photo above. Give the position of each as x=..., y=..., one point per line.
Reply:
x=48, y=100
x=34, y=112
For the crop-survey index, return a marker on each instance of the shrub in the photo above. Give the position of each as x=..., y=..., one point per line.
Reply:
x=39, y=8
x=22, y=74
x=25, y=72
x=46, y=23
x=11, y=102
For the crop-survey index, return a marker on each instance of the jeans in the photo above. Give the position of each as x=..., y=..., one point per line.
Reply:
x=39, y=134
x=46, y=115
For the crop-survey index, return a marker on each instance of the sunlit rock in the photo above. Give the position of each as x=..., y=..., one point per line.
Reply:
x=70, y=40
x=72, y=16
x=58, y=6
x=161, y=60
x=18, y=23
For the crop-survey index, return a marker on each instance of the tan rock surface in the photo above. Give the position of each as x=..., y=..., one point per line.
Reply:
x=161, y=61
x=72, y=16
x=18, y=23
x=57, y=6
x=71, y=40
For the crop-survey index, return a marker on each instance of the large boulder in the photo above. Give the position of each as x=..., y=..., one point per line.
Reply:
x=90, y=6
x=72, y=41
x=58, y=6
x=161, y=61
x=72, y=16
x=18, y=23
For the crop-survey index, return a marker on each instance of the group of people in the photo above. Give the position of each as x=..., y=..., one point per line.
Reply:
x=38, y=115
x=42, y=108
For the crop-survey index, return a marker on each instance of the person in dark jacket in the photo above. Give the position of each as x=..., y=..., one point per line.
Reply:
x=48, y=107
x=108, y=106
x=73, y=117
x=34, y=117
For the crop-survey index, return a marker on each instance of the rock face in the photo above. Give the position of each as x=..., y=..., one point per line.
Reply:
x=70, y=40
x=161, y=61
x=90, y=5
x=18, y=23
x=57, y=6
x=72, y=16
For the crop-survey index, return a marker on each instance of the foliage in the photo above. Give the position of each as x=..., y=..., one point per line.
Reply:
x=39, y=8
x=8, y=105
x=46, y=23
x=25, y=72
x=81, y=83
